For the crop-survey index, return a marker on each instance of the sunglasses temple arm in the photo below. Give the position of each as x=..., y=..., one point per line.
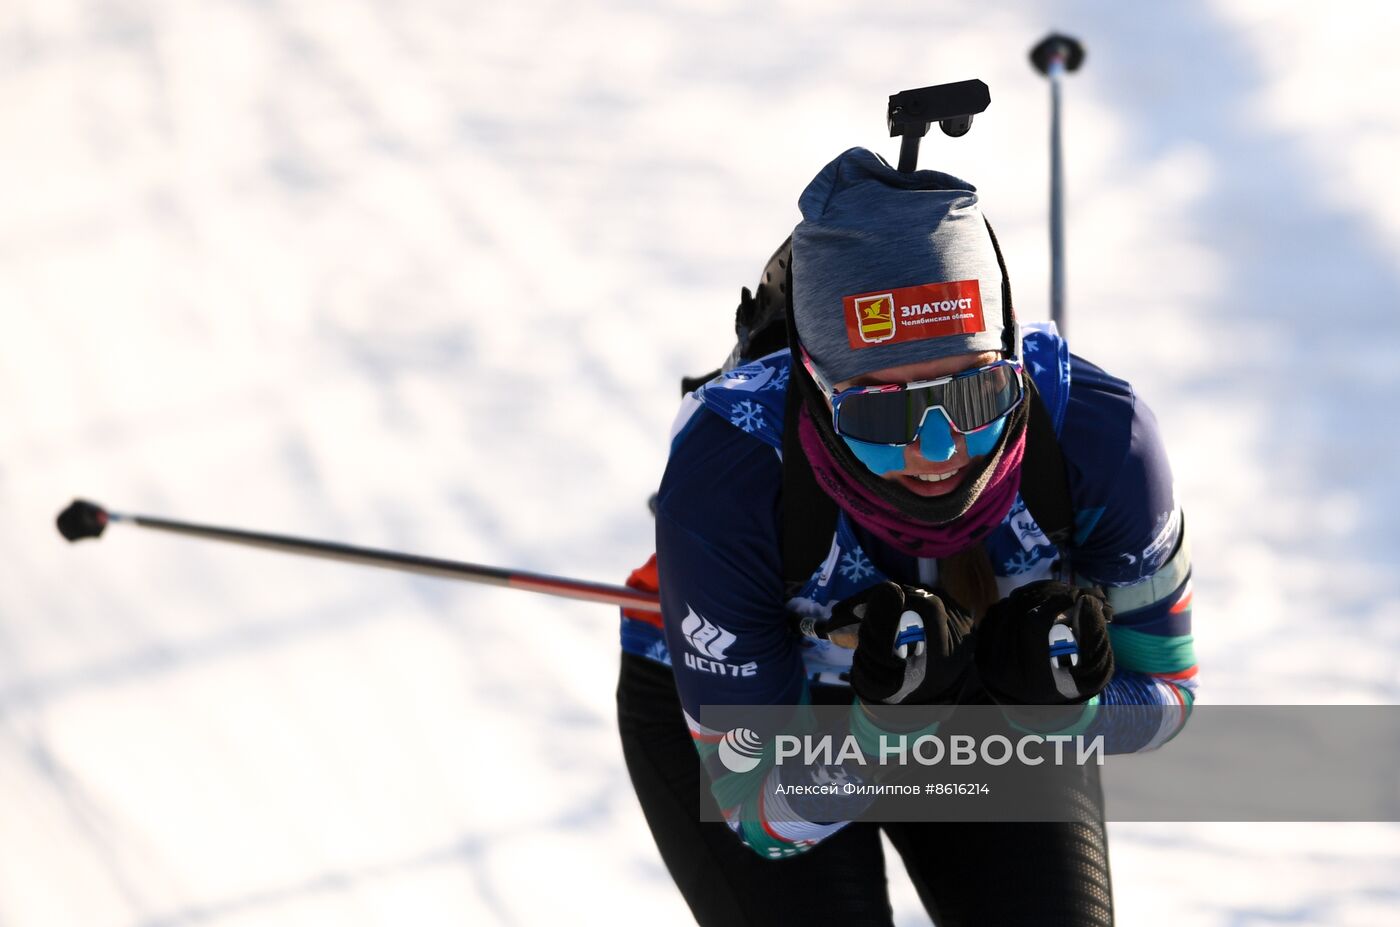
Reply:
x=88, y=520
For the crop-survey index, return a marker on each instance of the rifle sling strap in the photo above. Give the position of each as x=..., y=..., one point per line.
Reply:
x=809, y=514
x=1044, y=479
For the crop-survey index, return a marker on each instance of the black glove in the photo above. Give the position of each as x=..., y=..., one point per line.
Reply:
x=913, y=647
x=1046, y=644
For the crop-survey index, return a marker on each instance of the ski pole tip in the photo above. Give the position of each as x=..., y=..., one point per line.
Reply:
x=82, y=519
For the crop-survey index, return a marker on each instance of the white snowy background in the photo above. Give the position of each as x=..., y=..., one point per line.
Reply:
x=424, y=275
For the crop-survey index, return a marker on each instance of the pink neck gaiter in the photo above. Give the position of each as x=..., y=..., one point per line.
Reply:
x=884, y=520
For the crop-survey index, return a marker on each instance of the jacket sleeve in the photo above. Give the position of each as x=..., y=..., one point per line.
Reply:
x=1131, y=540
x=722, y=605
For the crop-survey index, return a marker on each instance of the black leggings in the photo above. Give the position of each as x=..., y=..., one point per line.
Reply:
x=1001, y=875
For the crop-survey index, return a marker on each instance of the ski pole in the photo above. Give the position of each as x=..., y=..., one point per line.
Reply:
x=1054, y=56
x=85, y=519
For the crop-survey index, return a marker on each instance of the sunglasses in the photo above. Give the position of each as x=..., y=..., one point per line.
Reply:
x=893, y=414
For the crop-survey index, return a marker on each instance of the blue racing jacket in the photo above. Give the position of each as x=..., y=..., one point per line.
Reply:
x=726, y=625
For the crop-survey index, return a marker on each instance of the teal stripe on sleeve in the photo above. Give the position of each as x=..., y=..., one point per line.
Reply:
x=1151, y=653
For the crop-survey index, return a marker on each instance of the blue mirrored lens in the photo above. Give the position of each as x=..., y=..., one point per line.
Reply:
x=936, y=442
x=981, y=441
x=970, y=401
x=880, y=458
x=936, y=437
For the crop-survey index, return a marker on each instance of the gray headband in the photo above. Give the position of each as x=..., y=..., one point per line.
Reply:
x=890, y=268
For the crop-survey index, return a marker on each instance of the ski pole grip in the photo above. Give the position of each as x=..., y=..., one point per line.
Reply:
x=1064, y=49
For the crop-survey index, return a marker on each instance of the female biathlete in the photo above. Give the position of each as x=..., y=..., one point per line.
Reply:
x=927, y=416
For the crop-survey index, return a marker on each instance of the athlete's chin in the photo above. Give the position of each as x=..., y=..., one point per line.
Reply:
x=930, y=488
